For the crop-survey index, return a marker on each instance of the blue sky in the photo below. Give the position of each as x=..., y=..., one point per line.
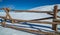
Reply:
x=26, y=4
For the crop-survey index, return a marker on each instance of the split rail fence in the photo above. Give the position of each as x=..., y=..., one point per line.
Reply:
x=54, y=23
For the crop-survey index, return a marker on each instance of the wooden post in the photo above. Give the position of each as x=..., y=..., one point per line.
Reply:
x=3, y=23
x=7, y=14
x=54, y=26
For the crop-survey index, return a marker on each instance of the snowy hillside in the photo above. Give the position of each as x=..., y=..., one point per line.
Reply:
x=45, y=8
x=30, y=16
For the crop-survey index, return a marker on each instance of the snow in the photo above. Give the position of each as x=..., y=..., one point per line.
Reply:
x=28, y=16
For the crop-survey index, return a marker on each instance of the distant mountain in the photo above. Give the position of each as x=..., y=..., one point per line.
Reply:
x=45, y=8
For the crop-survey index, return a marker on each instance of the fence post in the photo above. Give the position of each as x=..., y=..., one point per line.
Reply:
x=8, y=15
x=54, y=26
x=3, y=23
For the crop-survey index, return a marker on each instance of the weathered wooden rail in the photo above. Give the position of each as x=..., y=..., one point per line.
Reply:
x=54, y=23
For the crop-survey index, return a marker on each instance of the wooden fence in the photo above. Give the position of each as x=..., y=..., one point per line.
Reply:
x=54, y=23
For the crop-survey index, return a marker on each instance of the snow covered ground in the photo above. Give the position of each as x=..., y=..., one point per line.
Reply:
x=28, y=16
